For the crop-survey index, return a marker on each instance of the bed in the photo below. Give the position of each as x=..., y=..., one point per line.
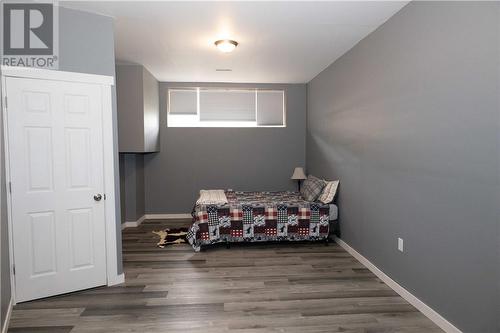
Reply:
x=260, y=216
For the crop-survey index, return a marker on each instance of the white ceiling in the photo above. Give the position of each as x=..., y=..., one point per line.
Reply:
x=285, y=42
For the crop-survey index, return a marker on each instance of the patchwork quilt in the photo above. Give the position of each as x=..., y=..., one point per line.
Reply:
x=259, y=216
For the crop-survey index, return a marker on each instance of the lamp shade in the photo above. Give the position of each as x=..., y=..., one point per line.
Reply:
x=298, y=174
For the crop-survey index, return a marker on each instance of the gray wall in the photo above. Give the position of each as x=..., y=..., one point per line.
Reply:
x=408, y=120
x=151, y=112
x=191, y=159
x=130, y=104
x=86, y=44
x=137, y=94
x=132, y=186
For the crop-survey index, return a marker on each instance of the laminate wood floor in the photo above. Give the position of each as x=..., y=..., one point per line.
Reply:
x=253, y=288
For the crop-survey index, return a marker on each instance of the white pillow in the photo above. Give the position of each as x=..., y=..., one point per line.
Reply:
x=329, y=192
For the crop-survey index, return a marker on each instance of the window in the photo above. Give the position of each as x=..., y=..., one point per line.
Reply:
x=219, y=107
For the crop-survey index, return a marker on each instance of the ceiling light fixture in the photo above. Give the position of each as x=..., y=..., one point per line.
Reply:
x=226, y=45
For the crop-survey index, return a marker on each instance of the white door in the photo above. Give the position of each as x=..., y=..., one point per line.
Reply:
x=56, y=173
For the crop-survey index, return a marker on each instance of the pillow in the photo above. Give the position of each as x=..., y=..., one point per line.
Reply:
x=329, y=192
x=312, y=188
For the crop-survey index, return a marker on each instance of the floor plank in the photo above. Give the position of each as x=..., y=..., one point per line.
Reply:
x=286, y=287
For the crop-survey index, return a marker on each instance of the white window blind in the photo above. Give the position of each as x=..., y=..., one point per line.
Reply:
x=183, y=101
x=227, y=105
x=270, y=107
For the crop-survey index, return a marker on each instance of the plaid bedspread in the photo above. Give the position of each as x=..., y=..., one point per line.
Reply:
x=259, y=216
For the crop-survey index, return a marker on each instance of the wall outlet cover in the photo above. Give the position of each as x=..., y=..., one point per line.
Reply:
x=400, y=244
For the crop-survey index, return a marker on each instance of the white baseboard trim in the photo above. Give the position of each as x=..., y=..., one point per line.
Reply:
x=133, y=224
x=409, y=297
x=6, y=322
x=117, y=280
x=167, y=216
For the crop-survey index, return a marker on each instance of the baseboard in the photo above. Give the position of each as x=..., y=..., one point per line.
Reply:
x=409, y=297
x=119, y=279
x=6, y=322
x=167, y=216
x=133, y=224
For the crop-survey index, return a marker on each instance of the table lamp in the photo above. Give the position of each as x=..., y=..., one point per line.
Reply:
x=298, y=175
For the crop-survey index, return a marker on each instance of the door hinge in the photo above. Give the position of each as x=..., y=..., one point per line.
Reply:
x=14, y=269
x=10, y=187
x=5, y=102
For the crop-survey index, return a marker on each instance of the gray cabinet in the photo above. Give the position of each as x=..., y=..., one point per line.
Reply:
x=137, y=93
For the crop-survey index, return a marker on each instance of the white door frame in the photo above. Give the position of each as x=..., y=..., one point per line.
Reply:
x=109, y=162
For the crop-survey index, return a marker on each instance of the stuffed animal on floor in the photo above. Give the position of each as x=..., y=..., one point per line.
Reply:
x=171, y=236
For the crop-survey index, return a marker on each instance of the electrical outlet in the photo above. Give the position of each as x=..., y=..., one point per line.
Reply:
x=400, y=244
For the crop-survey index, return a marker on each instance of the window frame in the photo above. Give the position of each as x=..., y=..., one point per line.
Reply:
x=194, y=121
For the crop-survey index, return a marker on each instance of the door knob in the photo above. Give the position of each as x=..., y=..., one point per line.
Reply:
x=98, y=197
